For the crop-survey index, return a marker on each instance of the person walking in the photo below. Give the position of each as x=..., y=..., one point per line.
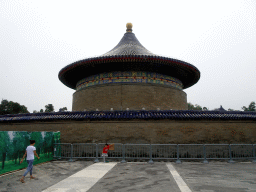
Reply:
x=105, y=151
x=30, y=152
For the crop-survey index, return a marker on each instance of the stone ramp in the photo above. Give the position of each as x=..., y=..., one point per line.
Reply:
x=83, y=180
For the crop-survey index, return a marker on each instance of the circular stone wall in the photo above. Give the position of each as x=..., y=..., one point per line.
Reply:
x=133, y=96
x=128, y=77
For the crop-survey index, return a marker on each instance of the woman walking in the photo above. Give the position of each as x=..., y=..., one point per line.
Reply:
x=30, y=152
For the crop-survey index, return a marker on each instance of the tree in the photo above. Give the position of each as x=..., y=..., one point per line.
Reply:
x=18, y=145
x=49, y=108
x=10, y=107
x=57, y=140
x=37, y=136
x=63, y=109
x=48, y=141
x=56, y=137
x=41, y=111
x=10, y=153
x=26, y=140
x=205, y=109
x=196, y=107
x=250, y=108
x=4, y=145
x=190, y=106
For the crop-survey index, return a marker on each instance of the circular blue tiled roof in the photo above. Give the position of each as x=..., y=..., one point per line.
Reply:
x=129, y=55
x=129, y=45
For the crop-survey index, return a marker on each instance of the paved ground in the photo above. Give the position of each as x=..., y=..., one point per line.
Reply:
x=83, y=180
x=138, y=176
x=47, y=175
x=141, y=177
x=219, y=176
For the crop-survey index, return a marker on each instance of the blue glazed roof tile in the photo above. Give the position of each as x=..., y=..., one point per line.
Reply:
x=128, y=49
x=110, y=115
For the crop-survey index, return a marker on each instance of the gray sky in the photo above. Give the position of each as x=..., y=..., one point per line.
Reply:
x=39, y=38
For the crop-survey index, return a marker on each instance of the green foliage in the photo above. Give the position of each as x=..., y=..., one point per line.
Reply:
x=4, y=145
x=10, y=107
x=13, y=148
x=196, y=107
x=56, y=137
x=48, y=142
x=37, y=136
x=63, y=109
x=41, y=111
x=251, y=107
x=49, y=108
x=48, y=139
x=4, y=141
x=18, y=145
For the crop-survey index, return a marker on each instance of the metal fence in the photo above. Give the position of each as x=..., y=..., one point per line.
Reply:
x=152, y=152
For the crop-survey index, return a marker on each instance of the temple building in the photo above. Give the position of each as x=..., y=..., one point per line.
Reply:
x=130, y=95
x=129, y=77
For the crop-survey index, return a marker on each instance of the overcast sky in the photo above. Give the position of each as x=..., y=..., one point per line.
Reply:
x=39, y=38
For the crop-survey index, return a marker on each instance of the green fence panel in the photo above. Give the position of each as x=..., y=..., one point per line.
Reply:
x=13, y=145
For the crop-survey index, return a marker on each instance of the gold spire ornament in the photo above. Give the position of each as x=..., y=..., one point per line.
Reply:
x=129, y=27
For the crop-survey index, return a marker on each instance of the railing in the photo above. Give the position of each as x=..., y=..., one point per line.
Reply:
x=157, y=151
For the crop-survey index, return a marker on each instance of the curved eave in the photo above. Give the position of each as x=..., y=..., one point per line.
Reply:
x=185, y=72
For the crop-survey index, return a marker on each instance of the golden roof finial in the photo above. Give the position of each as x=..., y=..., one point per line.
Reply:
x=129, y=27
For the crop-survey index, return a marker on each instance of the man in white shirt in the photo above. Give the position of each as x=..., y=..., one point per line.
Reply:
x=30, y=152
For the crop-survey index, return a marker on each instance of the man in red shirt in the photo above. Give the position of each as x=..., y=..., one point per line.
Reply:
x=105, y=151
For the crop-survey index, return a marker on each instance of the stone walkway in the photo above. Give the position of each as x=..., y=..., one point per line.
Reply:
x=46, y=175
x=136, y=176
x=83, y=180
